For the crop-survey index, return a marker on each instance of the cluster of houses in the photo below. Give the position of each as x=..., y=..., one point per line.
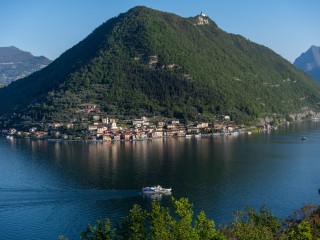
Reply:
x=93, y=124
x=141, y=129
x=109, y=129
x=31, y=133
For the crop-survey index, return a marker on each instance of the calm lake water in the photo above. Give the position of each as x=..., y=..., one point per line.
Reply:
x=49, y=189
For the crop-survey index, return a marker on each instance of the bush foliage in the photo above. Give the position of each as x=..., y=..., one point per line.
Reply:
x=165, y=224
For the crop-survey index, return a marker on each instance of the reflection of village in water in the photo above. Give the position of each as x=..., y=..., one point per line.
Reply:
x=109, y=165
x=105, y=178
x=130, y=165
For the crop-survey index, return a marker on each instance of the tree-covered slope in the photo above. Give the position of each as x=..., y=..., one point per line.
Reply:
x=146, y=62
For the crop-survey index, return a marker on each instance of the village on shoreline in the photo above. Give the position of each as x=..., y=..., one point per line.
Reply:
x=97, y=127
x=139, y=130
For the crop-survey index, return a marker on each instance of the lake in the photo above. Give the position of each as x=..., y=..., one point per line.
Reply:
x=49, y=189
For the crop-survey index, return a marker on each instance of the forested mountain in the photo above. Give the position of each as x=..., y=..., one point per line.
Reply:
x=16, y=64
x=309, y=62
x=147, y=62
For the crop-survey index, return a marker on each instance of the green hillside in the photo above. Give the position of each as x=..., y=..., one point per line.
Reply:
x=146, y=62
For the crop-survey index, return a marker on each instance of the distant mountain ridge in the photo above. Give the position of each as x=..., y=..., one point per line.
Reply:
x=16, y=64
x=309, y=62
x=149, y=63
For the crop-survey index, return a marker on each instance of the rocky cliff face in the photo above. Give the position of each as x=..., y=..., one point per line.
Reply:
x=309, y=62
x=16, y=64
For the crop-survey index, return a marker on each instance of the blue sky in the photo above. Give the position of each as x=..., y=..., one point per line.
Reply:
x=50, y=27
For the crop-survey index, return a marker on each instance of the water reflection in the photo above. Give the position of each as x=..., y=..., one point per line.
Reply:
x=68, y=184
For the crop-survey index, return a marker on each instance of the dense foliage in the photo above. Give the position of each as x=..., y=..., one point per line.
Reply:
x=161, y=223
x=146, y=62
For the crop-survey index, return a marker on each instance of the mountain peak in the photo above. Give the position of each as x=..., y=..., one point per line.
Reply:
x=148, y=63
x=5, y=52
x=316, y=54
x=309, y=62
x=16, y=63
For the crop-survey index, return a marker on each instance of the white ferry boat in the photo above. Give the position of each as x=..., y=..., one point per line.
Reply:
x=156, y=190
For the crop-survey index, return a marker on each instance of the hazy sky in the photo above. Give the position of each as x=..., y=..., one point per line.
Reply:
x=50, y=27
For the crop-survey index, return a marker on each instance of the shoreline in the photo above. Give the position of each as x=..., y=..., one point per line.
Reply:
x=248, y=131
x=187, y=136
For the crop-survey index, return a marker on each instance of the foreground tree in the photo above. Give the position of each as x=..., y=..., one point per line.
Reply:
x=158, y=224
x=102, y=231
x=134, y=225
x=180, y=224
x=161, y=222
x=304, y=223
x=253, y=224
x=302, y=231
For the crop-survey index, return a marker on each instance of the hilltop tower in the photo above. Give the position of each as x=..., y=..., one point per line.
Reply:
x=202, y=19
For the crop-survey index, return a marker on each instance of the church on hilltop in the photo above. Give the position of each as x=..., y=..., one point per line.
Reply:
x=202, y=19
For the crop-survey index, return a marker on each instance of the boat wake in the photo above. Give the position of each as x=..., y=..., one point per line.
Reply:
x=47, y=196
